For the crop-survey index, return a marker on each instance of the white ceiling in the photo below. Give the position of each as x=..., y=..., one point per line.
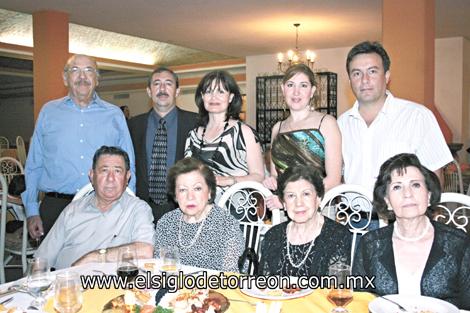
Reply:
x=240, y=28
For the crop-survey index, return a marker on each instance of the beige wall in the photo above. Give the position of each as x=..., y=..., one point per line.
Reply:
x=448, y=83
x=452, y=81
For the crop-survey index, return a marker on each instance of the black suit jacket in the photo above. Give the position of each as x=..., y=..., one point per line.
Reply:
x=138, y=129
x=447, y=272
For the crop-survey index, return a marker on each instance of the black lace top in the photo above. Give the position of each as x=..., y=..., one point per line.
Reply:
x=333, y=244
x=447, y=272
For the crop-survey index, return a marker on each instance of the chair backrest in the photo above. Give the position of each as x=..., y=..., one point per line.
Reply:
x=350, y=205
x=453, y=177
x=88, y=189
x=454, y=210
x=4, y=143
x=10, y=167
x=246, y=201
x=3, y=216
x=20, y=150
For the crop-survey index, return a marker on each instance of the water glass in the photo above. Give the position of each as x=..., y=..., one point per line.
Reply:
x=342, y=294
x=170, y=260
x=68, y=293
x=127, y=264
x=38, y=280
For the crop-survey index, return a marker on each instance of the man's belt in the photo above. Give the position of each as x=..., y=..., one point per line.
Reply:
x=59, y=195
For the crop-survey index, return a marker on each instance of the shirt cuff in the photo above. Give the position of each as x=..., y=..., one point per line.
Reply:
x=32, y=209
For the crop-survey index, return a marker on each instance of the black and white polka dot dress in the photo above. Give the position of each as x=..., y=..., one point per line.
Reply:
x=218, y=246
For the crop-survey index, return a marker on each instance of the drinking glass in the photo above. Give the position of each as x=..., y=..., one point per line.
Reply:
x=68, y=293
x=170, y=260
x=127, y=264
x=340, y=295
x=38, y=280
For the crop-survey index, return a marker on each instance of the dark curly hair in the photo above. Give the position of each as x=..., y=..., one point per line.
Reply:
x=369, y=47
x=188, y=165
x=298, y=172
x=229, y=84
x=399, y=163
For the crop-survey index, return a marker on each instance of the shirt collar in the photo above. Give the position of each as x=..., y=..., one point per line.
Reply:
x=354, y=112
x=95, y=101
x=170, y=117
x=90, y=203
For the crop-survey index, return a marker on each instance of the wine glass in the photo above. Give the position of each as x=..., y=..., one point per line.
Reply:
x=170, y=260
x=39, y=280
x=127, y=262
x=68, y=293
x=341, y=294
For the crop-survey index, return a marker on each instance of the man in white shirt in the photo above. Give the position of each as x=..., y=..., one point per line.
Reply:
x=379, y=125
x=93, y=228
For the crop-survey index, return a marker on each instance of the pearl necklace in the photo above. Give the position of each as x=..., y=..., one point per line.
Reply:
x=196, y=237
x=411, y=239
x=289, y=257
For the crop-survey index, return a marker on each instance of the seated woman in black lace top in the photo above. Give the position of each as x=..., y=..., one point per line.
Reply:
x=414, y=255
x=308, y=243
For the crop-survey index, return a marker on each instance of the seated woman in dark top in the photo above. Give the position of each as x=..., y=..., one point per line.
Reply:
x=414, y=255
x=309, y=243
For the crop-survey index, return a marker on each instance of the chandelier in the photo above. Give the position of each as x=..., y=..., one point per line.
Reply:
x=294, y=56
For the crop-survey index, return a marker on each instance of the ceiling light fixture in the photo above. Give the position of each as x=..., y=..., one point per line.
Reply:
x=294, y=56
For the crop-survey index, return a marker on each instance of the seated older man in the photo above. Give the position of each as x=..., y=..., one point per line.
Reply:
x=96, y=226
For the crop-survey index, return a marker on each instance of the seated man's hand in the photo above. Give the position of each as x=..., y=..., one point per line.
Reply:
x=273, y=202
x=35, y=226
x=270, y=183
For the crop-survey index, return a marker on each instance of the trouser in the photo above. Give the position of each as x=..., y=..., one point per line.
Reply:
x=50, y=209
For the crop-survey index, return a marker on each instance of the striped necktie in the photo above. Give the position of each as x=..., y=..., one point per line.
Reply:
x=157, y=175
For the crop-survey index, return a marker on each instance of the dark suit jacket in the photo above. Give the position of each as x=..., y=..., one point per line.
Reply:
x=447, y=272
x=138, y=128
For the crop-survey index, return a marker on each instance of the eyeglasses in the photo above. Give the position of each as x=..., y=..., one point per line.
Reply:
x=218, y=93
x=88, y=71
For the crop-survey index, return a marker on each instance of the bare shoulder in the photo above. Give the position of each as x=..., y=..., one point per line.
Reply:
x=247, y=130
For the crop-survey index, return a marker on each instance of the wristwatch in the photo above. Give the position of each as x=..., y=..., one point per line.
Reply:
x=102, y=255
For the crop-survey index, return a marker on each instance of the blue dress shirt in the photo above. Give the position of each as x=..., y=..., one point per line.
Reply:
x=171, y=128
x=65, y=139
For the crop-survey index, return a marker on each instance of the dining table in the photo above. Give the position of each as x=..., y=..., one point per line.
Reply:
x=95, y=299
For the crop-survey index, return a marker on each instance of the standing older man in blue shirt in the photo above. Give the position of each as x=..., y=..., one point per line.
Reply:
x=67, y=134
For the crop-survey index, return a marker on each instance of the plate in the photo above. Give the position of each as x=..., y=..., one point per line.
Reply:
x=275, y=294
x=414, y=304
x=217, y=298
x=116, y=304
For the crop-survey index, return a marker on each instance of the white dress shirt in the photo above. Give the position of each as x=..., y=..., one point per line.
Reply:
x=401, y=126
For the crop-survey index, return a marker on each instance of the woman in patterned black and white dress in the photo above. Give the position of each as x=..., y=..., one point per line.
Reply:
x=228, y=146
x=206, y=236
